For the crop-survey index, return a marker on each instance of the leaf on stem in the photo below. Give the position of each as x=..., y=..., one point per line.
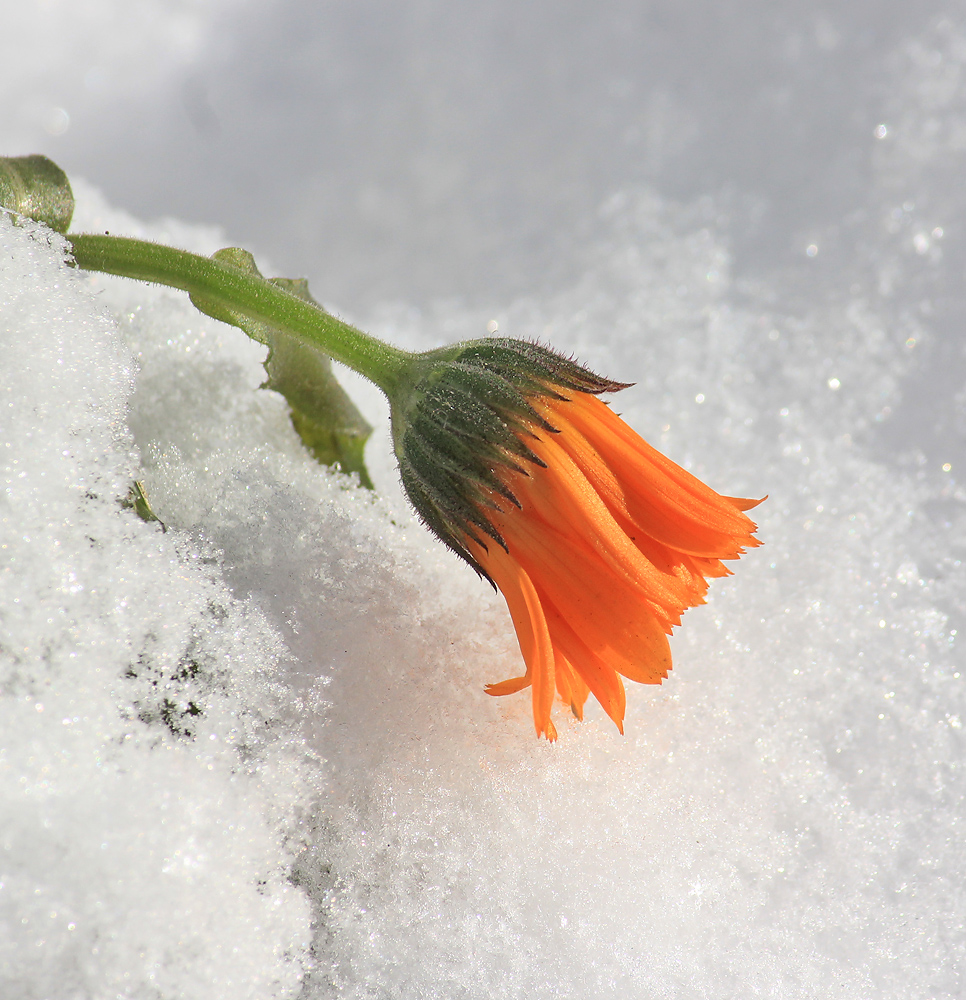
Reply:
x=36, y=187
x=323, y=415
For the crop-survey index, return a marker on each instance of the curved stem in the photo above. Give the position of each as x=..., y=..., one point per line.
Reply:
x=255, y=297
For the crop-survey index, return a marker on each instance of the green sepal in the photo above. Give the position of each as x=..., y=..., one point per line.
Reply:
x=323, y=415
x=502, y=396
x=36, y=187
x=462, y=463
x=461, y=430
x=448, y=531
x=535, y=370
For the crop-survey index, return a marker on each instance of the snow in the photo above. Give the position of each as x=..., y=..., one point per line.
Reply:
x=250, y=756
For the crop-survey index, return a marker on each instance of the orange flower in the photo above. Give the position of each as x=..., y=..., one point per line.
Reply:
x=611, y=543
x=597, y=541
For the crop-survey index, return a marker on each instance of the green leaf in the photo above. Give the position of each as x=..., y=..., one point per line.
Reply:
x=323, y=415
x=37, y=188
x=137, y=500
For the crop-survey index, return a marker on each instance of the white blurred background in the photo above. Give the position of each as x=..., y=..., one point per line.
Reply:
x=754, y=210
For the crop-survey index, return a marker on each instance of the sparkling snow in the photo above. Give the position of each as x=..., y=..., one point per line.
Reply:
x=251, y=756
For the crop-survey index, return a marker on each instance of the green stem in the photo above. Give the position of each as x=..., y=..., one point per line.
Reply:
x=255, y=297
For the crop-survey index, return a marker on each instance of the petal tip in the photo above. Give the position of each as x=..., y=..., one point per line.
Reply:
x=550, y=731
x=511, y=686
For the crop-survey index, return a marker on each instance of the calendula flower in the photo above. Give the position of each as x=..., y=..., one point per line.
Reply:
x=597, y=541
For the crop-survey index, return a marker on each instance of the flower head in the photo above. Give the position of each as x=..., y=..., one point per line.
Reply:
x=597, y=541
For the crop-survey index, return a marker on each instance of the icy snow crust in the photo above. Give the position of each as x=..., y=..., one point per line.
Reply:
x=146, y=831
x=251, y=756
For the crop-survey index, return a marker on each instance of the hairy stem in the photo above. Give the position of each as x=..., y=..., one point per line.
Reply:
x=253, y=296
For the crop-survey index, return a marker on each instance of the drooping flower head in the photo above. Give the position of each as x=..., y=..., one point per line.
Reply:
x=597, y=541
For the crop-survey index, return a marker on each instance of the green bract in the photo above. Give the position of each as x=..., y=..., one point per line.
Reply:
x=461, y=422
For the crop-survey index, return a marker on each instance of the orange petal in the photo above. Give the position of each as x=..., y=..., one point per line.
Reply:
x=545, y=550
x=510, y=686
x=601, y=679
x=570, y=685
x=531, y=628
x=742, y=503
x=584, y=589
x=633, y=644
x=563, y=497
x=669, y=503
x=563, y=675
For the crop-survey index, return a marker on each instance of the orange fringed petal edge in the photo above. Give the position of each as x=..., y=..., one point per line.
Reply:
x=611, y=543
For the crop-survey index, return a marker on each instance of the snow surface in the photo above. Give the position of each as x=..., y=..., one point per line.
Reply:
x=250, y=756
